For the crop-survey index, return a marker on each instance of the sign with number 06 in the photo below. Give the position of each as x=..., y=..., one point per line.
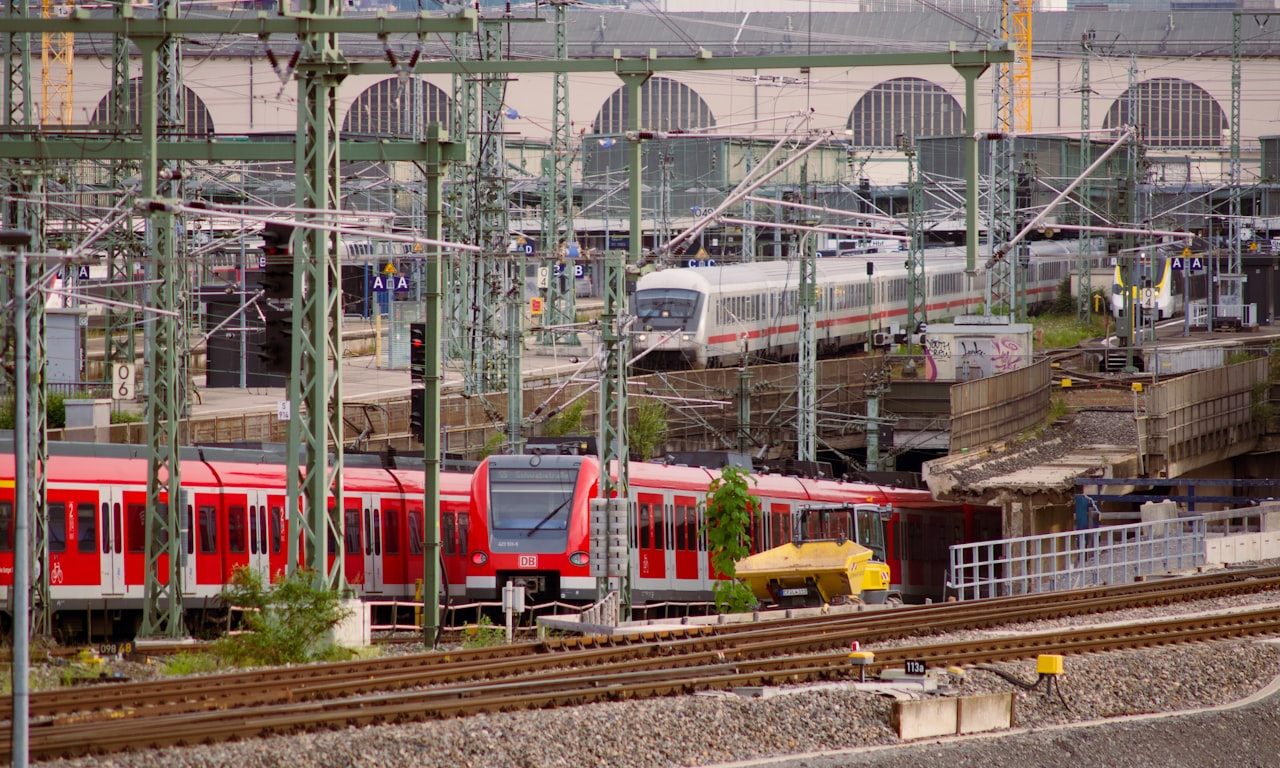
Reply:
x=122, y=381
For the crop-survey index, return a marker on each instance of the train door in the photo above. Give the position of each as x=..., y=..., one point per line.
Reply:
x=111, y=543
x=651, y=543
x=352, y=551
x=259, y=560
x=186, y=544
x=235, y=533
x=73, y=551
x=207, y=542
x=134, y=520
x=375, y=542
x=277, y=530
x=687, y=542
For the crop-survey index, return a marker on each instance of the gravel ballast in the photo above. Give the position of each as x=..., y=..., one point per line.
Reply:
x=722, y=728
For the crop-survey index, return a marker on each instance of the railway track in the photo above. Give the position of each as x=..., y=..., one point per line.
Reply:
x=581, y=670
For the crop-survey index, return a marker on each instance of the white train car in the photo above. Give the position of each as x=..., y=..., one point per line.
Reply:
x=703, y=317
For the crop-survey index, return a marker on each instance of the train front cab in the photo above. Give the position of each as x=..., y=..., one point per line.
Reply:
x=529, y=526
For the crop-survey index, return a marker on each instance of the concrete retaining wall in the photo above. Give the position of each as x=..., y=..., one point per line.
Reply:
x=946, y=716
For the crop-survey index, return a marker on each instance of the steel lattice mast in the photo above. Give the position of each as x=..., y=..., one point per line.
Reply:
x=557, y=227
x=315, y=384
x=159, y=113
x=1084, y=276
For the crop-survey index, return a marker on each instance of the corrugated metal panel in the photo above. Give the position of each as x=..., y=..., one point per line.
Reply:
x=1171, y=361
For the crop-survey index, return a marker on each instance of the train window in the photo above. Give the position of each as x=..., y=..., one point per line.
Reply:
x=368, y=532
x=188, y=526
x=464, y=530
x=780, y=525
x=645, y=521
x=57, y=530
x=351, y=531
x=687, y=528
x=6, y=526
x=86, y=527
x=208, y=531
x=415, y=532
x=277, y=530
x=659, y=526
x=377, y=530
x=136, y=519
x=253, y=529
x=106, y=528
x=116, y=537
x=235, y=529
x=391, y=531
x=667, y=309
x=449, y=533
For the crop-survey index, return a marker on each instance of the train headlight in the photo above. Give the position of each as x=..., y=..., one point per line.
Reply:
x=686, y=337
x=479, y=558
x=642, y=337
x=579, y=558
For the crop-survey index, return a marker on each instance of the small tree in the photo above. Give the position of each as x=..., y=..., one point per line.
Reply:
x=647, y=428
x=288, y=622
x=568, y=421
x=730, y=507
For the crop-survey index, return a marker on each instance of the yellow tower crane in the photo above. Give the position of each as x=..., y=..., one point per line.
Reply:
x=57, y=67
x=1020, y=35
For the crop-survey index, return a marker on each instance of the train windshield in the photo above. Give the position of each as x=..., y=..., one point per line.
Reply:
x=668, y=309
x=531, y=499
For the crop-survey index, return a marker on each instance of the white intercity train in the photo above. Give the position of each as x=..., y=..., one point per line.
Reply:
x=702, y=317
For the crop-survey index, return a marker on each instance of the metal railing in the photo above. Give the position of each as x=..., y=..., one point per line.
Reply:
x=1242, y=315
x=1095, y=557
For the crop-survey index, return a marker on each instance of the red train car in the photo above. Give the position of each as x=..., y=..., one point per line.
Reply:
x=530, y=526
x=235, y=516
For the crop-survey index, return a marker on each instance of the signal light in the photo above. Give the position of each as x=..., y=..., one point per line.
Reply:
x=417, y=352
x=418, y=414
x=277, y=266
x=275, y=351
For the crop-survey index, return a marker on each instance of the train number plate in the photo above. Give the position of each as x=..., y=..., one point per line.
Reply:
x=528, y=561
x=793, y=592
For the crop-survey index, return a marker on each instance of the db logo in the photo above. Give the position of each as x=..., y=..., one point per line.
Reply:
x=528, y=561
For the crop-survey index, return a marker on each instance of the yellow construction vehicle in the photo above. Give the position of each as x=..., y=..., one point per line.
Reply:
x=824, y=563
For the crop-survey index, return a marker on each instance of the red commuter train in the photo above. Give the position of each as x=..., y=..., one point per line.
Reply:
x=529, y=526
x=235, y=502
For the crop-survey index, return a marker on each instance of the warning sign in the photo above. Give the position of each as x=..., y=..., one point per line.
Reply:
x=535, y=305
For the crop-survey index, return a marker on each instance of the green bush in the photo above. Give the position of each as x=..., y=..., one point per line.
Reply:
x=483, y=634
x=55, y=413
x=286, y=623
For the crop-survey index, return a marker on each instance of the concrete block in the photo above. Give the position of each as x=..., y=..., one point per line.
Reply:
x=923, y=718
x=354, y=631
x=1156, y=511
x=88, y=413
x=991, y=712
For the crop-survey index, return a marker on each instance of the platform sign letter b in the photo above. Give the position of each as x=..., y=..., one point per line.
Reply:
x=122, y=381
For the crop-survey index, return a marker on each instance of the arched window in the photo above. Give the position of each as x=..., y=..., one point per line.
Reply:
x=1171, y=113
x=198, y=121
x=386, y=108
x=665, y=105
x=906, y=106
